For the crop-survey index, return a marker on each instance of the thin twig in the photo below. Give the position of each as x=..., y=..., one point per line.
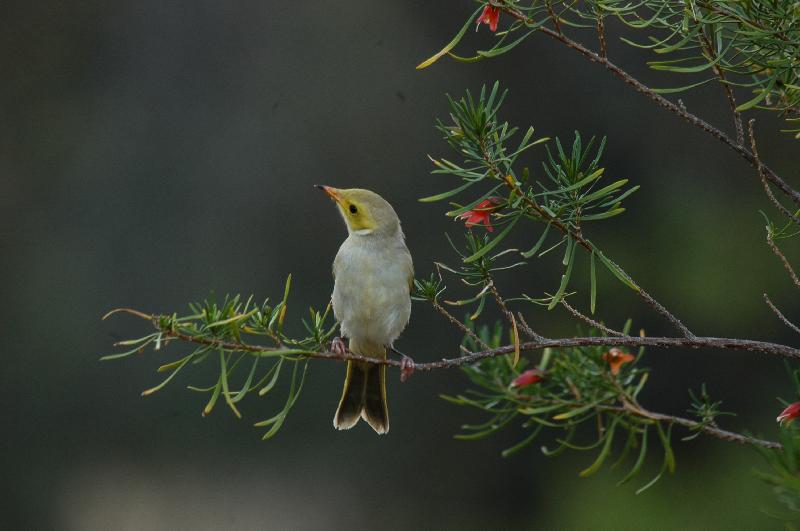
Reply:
x=601, y=36
x=530, y=332
x=501, y=303
x=776, y=250
x=461, y=326
x=590, y=321
x=510, y=317
x=553, y=17
x=737, y=116
x=782, y=317
x=666, y=313
x=707, y=429
x=763, y=176
x=793, y=194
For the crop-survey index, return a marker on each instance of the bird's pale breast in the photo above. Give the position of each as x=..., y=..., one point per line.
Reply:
x=371, y=296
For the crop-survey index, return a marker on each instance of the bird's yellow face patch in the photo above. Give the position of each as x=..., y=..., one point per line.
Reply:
x=355, y=212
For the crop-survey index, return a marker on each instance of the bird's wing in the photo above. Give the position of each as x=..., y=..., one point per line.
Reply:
x=336, y=264
x=410, y=267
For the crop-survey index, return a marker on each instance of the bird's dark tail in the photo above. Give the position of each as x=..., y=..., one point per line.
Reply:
x=364, y=393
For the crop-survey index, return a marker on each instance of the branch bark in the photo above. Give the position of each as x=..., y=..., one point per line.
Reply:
x=780, y=315
x=628, y=341
x=661, y=101
x=762, y=174
x=448, y=363
x=591, y=322
x=717, y=433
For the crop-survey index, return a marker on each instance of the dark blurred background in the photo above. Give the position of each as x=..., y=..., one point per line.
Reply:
x=152, y=153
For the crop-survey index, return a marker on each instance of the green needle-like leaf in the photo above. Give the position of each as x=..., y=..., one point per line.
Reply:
x=450, y=45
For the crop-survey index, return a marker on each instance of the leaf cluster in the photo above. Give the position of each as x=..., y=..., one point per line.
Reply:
x=219, y=331
x=578, y=397
x=784, y=464
x=569, y=194
x=748, y=45
x=754, y=43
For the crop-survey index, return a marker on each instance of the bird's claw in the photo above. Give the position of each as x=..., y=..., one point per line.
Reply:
x=407, y=366
x=338, y=346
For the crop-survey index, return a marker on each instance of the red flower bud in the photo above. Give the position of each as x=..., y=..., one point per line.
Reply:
x=791, y=412
x=491, y=16
x=616, y=358
x=528, y=377
x=481, y=213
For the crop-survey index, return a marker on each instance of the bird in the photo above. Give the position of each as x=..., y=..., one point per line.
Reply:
x=373, y=276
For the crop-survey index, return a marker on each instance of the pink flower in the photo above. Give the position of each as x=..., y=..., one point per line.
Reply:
x=616, y=358
x=528, y=377
x=490, y=15
x=481, y=213
x=791, y=412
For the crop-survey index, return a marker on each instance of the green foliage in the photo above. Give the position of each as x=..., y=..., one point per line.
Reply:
x=478, y=271
x=787, y=231
x=755, y=43
x=705, y=410
x=794, y=127
x=578, y=396
x=749, y=45
x=219, y=331
x=570, y=194
x=784, y=464
x=427, y=289
x=784, y=472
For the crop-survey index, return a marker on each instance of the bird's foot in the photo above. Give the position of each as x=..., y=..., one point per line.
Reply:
x=338, y=346
x=407, y=366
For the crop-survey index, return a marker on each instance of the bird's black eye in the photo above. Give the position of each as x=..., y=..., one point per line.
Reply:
x=353, y=209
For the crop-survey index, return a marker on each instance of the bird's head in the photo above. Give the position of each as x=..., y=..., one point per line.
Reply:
x=364, y=212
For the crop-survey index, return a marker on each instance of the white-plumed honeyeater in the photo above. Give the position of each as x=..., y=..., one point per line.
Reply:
x=373, y=275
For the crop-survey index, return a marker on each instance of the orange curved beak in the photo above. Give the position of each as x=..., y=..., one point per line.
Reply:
x=332, y=192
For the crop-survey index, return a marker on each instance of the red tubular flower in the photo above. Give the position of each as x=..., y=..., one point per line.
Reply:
x=528, y=377
x=616, y=358
x=490, y=15
x=480, y=214
x=791, y=412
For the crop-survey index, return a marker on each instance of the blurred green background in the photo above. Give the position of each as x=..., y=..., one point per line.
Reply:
x=152, y=153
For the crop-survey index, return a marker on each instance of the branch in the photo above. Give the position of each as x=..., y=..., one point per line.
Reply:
x=445, y=363
x=637, y=85
x=530, y=332
x=631, y=406
x=708, y=430
x=461, y=326
x=590, y=321
x=786, y=264
x=737, y=116
x=578, y=237
x=763, y=176
x=553, y=17
x=780, y=315
x=663, y=311
x=408, y=365
x=501, y=303
x=629, y=341
x=601, y=36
